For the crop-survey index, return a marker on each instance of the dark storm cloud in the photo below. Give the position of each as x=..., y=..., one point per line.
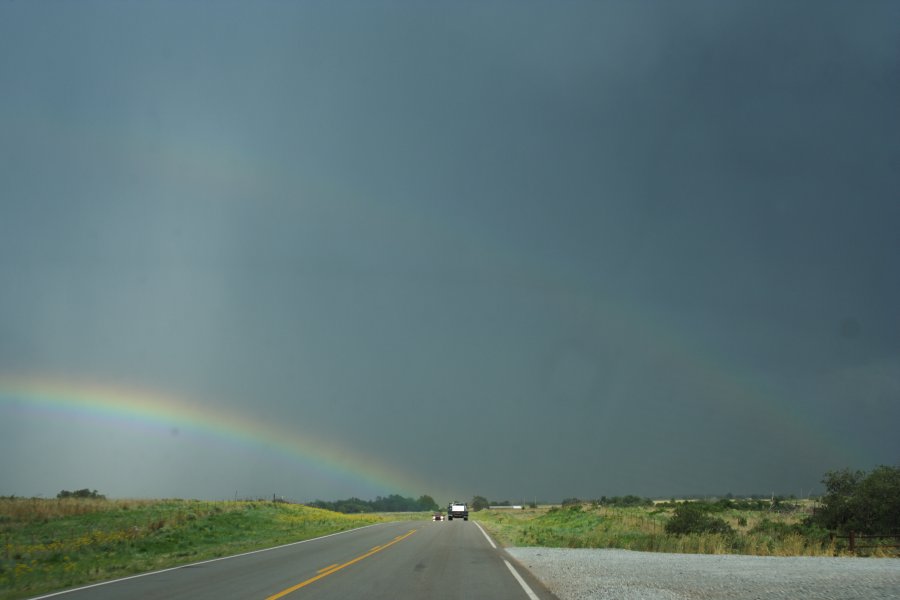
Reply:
x=589, y=249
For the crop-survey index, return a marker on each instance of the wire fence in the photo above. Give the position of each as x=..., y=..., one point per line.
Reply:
x=854, y=538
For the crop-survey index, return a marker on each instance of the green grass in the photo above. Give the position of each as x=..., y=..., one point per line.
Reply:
x=47, y=545
x=643, y=528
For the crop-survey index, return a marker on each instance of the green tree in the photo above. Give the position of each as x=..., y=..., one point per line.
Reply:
x=861, y=502
x=426, y=502
x=479, y=503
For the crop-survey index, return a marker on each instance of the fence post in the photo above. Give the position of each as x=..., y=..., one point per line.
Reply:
x=852, y=541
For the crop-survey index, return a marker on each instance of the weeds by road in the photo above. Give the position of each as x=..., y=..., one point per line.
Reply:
x=754, y=532
x=54, y=544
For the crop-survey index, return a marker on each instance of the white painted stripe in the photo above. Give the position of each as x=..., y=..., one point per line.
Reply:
x=521, y=581
x=490, y=541
x=202, y=562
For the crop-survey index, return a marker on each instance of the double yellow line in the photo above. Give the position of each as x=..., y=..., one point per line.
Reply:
x=337, y=567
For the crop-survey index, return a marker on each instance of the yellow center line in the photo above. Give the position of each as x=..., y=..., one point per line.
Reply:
x=335, y=568
x=328, y=568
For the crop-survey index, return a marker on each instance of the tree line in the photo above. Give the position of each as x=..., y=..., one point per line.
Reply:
x=85, y=493
x=392, y=503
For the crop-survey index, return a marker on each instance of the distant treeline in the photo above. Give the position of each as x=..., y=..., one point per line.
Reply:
x=773, y=504
x=617, y=501
x=85, y=493
x=392, y=503
x=629, y=500
x=767, y=503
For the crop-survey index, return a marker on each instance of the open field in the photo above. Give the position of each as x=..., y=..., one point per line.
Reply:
x=47, y=545
x=754, y=532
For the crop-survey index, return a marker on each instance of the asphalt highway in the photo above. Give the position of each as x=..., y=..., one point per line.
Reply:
x=396, y=561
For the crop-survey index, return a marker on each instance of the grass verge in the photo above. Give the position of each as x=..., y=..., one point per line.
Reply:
x=758, y=533
x=50, y=545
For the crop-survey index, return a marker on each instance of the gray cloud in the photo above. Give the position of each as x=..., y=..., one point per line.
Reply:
x=643, y=247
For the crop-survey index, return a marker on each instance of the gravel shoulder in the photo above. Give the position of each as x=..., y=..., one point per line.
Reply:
x=578, y=574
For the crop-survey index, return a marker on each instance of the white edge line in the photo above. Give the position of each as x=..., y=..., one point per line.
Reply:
x=521, y=581
x=202, y=562
x=493, y=545
x=525, y=586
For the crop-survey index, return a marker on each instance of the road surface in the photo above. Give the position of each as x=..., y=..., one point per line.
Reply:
x=396, y=561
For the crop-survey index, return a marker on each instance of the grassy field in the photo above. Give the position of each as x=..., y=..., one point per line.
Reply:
x=54, y=544
x=763, y=533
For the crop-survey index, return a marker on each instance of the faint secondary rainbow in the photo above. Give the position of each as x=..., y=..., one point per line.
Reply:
x=124, y=406
x=733, y=390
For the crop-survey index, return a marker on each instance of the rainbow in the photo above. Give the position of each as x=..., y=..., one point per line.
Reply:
x=120, y=406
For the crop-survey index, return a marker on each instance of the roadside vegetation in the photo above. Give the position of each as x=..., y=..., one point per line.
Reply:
x=689, y=527
x=78, y=538
x=854, y=501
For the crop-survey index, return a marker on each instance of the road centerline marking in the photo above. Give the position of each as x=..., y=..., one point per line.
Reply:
x=328, y=568
x=338, y=567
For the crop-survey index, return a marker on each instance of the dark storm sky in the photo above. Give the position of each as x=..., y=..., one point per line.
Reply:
x=513, y=249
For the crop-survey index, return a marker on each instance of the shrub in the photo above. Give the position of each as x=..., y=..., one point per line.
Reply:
x=776, y=529
x=693, y=518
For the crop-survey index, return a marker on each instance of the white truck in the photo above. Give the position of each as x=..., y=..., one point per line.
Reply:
x=458, y=509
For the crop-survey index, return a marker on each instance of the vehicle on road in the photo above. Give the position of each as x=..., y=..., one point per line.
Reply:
x=438, y=516
x=458, y=510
